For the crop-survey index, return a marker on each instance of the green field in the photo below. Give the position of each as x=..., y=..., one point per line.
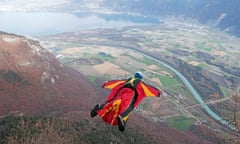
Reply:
x=92, y=78
x=227, y=92
x=102, y=56
x=168, y=81
x=180, y=122
x=67, y=59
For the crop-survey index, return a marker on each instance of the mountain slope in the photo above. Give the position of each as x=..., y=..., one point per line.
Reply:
x=222, y=14
x=51, y=130
x=32, y=81
x=51, y=103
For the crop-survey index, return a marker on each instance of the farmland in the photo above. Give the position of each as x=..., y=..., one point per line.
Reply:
x=208, y=58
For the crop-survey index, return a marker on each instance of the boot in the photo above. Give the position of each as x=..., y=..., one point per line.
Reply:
x=94, y=110
x=121, y=123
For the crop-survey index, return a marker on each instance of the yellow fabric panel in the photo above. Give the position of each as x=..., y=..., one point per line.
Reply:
x=146, y=90
x=115, y=108
x=111, y=86
x=126, y=117
x=131, y=81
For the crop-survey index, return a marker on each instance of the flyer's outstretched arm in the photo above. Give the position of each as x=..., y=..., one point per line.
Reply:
x=114, y=85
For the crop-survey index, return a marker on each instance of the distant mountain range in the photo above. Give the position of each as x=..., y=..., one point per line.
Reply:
x=220, y=13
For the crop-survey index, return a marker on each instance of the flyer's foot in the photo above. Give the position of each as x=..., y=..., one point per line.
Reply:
x=121, y=123
x=94, y=111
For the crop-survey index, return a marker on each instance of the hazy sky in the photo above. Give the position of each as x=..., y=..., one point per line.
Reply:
x=28, y=5
x=38, y=5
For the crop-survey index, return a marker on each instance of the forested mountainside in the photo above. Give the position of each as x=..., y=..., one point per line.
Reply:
x=33, y=82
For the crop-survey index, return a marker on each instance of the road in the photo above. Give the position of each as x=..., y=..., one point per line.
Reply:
x=209, y=102
x=191, y=89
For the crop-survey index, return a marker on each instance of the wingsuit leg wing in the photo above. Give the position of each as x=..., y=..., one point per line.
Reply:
x=117, y=106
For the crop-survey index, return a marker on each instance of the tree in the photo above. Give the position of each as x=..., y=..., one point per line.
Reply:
x=235, y=120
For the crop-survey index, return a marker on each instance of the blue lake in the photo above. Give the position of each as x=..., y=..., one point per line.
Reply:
x=38, y=24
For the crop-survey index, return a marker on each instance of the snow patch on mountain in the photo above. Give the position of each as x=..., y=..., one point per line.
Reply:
x=9, y=39
x=220, y=18
x=25, y=63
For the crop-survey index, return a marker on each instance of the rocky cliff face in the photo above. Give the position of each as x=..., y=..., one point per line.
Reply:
x=33, y=82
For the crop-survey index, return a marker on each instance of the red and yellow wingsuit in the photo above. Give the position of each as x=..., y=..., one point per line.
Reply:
x=123, y=99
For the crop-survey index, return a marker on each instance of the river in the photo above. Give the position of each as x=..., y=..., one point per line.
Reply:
x=194, y=92
x=38, y=24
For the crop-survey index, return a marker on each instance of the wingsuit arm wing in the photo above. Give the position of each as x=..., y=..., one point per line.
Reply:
x=114, y=85
x=150, y=90
x=145, y=90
